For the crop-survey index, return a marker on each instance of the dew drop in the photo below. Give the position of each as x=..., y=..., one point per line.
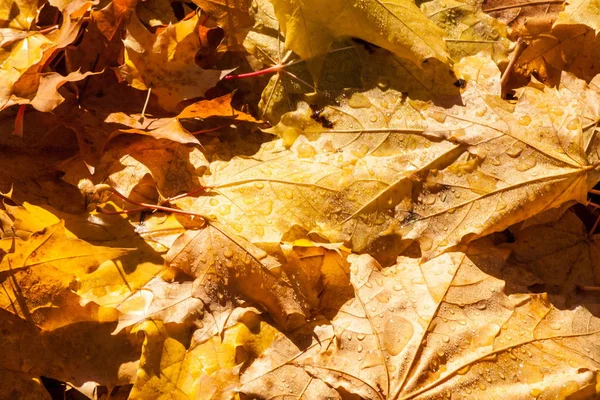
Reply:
x=446, y=338
x=526, y=163
x=535, y=392
x=373, y=118
x=305, y=150
x=359, y=100
x=426, y=243
x=524, y=120
x=383, y=297
x=515, y=150
x=288, y=194
x=464, y=370
x=224, y=209
x=361, y=151
x=438, y=116
x=228, y=252
x=265, y=207
x=360, y=336
x=213, y=202
x=259, y=185
x=289, y=136
x=573, y=124
x=397, y=333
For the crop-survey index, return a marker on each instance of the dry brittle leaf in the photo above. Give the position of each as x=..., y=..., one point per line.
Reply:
x=22, y=76
x=164, y=62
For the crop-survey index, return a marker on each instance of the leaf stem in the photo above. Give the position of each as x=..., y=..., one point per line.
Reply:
x=19, y=121
x=274, y=68
x=143, y=206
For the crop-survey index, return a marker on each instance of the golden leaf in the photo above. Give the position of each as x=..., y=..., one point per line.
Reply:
x=385, y=170
x=423, y=331
x=398, y=26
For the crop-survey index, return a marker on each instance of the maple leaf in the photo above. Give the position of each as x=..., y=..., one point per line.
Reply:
x=29, y=353
x=537, y=247
x=233, y=16
x=25, y=51
x=524, y=18
x=586, y=12
x=400, y=230
x=207, y=370
x=398, y=26
x=572, y=48
x=241, y=269
x=431, y=330
x=389, y=170
x=137, y=164
x=37, y=274
x=164, y=62
x=468, y=29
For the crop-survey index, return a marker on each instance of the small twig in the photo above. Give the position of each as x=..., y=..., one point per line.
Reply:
x=145, y=105
x=274, y=68
x=584, y=288
x=521, y=45
x=19, y=121
x=144, y=206
x=591, y=231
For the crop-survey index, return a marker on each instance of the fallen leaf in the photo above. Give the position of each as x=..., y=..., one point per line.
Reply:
x=22, y=78
x=37, y=274
x=586, y=12
x=562, y=255
x=525, y=18
x=310, y=27
x=164, y=62
x=373, y=170
x=233, y=16
x=433, y=330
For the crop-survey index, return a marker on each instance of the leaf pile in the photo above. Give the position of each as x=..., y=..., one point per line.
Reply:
x=299, y=199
